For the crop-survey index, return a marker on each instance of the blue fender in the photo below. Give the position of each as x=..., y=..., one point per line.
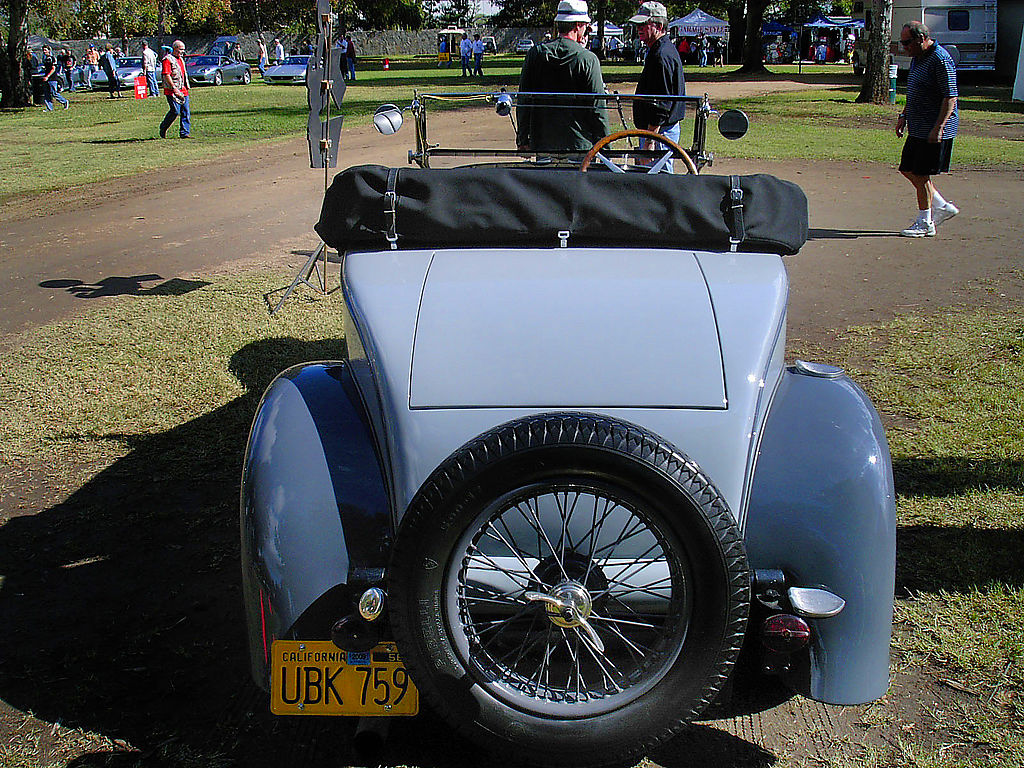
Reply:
x=315, y=515
x=822, y=509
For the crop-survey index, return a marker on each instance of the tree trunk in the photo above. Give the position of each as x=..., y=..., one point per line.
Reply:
x=875, y=87
x=737, y=24
x=752, y=59
x=17, y=82
x=602, y=9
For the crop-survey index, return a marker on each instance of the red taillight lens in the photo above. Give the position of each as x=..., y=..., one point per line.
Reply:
x=784, y=633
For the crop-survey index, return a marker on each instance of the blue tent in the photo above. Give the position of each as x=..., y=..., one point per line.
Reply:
x=776, y=28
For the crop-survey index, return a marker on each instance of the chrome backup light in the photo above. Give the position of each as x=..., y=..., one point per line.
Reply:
x=785, y=633
x=371, y=604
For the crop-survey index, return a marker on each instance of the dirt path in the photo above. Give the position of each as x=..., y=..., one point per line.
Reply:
x=58, y=253
x=124, y=236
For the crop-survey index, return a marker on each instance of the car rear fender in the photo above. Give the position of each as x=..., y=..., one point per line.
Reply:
x=822, y=510
x=314, y=509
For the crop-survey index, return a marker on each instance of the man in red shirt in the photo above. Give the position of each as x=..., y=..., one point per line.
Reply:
x=175, y=81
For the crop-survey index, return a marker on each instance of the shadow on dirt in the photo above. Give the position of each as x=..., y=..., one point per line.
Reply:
x=125, y=286
x=122, y=613
x=847, y=234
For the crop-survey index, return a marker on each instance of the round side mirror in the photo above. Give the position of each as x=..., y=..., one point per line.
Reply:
x=733, y=124
x=387, y=119
x=503, y=105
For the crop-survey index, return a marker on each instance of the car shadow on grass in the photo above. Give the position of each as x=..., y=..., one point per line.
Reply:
x=958, y=557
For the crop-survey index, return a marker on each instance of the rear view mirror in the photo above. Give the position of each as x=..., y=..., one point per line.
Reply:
x=387, y=119
x=733, y=124
x=503, y=105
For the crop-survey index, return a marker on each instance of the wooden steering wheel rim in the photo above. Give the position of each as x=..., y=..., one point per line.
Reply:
x=639, y=133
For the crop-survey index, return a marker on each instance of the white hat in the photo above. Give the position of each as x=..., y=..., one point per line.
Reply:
x=649, y=10
x=573, y=10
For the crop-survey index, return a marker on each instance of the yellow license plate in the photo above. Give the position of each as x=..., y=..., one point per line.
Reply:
x=315, y=677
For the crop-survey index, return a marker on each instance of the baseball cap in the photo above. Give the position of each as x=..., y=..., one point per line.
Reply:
x=649, y=10
x=573, y=10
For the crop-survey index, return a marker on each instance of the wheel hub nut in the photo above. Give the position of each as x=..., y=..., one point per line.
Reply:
x=574, y=605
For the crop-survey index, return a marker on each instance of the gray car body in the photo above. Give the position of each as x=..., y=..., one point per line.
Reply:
x=291, y=72
x=231, y=71
x=446, y=344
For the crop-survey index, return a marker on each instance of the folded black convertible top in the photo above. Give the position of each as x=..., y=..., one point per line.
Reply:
x=497, y=206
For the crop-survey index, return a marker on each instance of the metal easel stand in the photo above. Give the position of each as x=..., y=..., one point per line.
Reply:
x=325, y=85
x=304, y=277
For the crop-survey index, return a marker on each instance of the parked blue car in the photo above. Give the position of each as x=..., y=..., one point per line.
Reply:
x=565, y=472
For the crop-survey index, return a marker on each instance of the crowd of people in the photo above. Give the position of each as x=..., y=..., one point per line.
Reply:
x=564, y=63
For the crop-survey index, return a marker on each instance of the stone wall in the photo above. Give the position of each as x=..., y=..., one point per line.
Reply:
x=374, y=44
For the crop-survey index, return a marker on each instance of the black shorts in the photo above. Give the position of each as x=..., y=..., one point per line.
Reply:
x=924, y=159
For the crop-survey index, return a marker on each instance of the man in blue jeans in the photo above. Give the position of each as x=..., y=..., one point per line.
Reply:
x=662, y=75
x=175, y=79
x=51, y=82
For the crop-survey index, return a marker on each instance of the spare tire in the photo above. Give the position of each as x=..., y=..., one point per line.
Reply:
x=568, y=589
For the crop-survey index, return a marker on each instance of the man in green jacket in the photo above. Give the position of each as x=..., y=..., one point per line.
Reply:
x=562, y=65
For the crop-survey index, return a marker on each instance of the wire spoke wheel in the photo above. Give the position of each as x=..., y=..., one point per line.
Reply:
x=568, y=589
x=567, y=599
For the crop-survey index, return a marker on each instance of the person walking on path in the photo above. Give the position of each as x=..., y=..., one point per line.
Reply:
x=109, y=64
x=262, y=59
x=562, y=65
x=175, y=79
x=278, y=51
x=930, y=120
x=350, y=57
x=662, y=75
x=478, y=55
x=51, y=81
x=149, y=69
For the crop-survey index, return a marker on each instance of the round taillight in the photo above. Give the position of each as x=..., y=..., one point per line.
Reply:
x=785, y=633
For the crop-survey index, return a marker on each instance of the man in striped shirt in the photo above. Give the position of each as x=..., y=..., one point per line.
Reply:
x=930, y=120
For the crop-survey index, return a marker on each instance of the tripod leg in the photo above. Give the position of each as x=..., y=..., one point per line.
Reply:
x=305, y=273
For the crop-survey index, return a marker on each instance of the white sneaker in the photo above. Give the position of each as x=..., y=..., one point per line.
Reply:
x=940, y=215
x=919, y=229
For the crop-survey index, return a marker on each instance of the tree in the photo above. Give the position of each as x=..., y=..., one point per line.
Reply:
x=526, y=13
x=753, y=61
x=874, y=89
x=16, y=79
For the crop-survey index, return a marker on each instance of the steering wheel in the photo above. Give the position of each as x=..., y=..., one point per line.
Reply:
x=674, y=151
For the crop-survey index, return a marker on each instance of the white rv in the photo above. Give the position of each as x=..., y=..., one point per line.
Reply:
x=966, y=28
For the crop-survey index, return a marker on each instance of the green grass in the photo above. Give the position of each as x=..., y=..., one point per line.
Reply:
x=84, y=392
x=830, y=125
x=98, y=139
x=948, y=386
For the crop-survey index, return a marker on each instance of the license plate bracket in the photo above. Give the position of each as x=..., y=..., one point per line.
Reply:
x=315, y=677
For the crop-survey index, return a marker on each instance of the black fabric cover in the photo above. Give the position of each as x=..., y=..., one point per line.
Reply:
x=501, y=207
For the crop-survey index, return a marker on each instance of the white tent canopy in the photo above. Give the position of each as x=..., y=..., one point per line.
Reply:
x=699, y=23
x=610, y=30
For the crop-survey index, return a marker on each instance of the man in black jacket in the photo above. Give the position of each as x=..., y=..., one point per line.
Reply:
x=662, y=75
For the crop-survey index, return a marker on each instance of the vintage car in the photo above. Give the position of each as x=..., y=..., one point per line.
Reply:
x=291, y=71
x=216, y=70
x=524, y=44
x=565, y=472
